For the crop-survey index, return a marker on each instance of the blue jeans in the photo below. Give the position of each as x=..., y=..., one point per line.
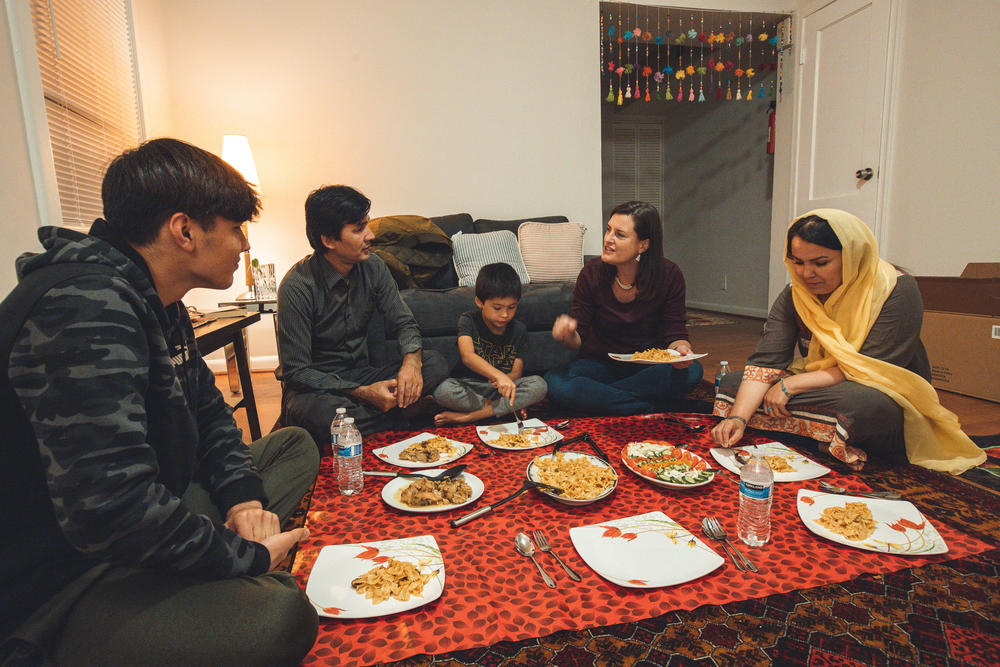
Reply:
x=601, y=386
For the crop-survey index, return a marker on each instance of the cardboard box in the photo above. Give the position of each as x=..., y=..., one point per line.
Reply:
x=961, y=330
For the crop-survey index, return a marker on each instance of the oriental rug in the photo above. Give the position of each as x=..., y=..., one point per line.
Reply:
x=877, y=610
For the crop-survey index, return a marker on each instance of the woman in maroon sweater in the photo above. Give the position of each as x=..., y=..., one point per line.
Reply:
x=630, y=299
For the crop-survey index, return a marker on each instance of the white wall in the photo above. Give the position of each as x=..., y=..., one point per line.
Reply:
x=945, y=153
x=430, y=108
x=19, y=218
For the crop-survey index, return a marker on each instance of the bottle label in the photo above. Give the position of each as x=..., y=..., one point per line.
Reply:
x=755, y=491
x=349, y=450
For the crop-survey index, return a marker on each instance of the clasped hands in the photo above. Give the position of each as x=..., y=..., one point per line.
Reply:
x=252, y=522
x=398, y=392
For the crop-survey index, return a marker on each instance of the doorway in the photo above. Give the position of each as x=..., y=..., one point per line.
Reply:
x=703, y=159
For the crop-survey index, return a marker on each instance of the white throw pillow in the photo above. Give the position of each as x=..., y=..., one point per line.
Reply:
x=474, y=251
x=552, y=251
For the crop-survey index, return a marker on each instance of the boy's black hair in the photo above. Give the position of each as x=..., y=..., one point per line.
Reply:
x=497, y=281
x=329, y=209
x=146, y=185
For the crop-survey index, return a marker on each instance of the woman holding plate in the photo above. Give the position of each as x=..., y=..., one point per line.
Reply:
x=861, y=386
x=628, y=300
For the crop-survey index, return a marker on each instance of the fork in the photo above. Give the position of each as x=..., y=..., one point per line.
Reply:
x=717, y=528
x=520, y=422
x=543, y=545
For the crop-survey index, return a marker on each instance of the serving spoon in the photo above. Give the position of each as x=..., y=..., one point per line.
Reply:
x=454, y=471
x=885, y=495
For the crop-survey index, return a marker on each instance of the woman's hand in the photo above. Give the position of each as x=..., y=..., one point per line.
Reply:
x=775, y=402
x=564, y=331
x=728, y=432
x=684, y=348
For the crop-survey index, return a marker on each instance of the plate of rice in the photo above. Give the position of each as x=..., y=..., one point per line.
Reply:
x=583, y=478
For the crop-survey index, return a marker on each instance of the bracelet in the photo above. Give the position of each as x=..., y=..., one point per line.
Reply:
x=784, y=389
x=737, y=418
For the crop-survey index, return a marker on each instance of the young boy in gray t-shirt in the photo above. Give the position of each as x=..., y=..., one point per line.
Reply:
x=491, y=344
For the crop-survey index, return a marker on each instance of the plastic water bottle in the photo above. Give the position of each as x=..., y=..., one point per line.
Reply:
x=756, y=489
x=350, y=479
x=721, y=373
x=335, y=427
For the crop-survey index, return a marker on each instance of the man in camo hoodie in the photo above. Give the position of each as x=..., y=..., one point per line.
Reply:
x=136, y=526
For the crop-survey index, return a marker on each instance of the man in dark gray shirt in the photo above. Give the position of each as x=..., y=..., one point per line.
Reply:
x=325, y=303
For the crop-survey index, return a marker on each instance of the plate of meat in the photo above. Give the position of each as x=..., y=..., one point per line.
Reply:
x=425, y=495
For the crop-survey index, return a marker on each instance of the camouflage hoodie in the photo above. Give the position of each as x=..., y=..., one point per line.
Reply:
x=125, y=414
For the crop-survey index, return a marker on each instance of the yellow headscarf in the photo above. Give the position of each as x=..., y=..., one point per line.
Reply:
x=839, y=326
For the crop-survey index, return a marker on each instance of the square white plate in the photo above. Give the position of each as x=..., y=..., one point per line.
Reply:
x=673, y=360
x=390, y=453
x=644, y=551
x=539, y=433
x=805, y=468
x=392, y=489
x=900, y=528
x=329, y=585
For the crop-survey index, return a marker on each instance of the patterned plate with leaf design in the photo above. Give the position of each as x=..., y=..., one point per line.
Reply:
x=644, y=551
x=900, y=528
x=329, y=586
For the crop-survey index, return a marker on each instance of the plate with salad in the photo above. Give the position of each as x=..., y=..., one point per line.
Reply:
x=665, y=464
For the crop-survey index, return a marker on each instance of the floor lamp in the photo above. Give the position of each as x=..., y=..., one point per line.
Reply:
x=236, y=151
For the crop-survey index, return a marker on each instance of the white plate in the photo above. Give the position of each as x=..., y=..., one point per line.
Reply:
x=673, y=360
x=533, y=475
x=390, y=453
x=805, y=468
x=329, y=585
x=391, y=491
x=900, y=528
x=644, y=551
x=544, y=435
x=648, y=476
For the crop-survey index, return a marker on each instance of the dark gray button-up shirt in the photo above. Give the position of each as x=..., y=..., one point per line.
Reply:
x=323, y=321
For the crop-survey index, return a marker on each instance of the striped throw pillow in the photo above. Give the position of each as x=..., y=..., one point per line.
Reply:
x=552, y=252
x=474, y=251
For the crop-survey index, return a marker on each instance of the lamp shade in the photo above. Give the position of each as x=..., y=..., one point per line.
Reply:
x=236, y=151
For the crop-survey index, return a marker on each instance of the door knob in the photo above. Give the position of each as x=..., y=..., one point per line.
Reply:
x=865, y=174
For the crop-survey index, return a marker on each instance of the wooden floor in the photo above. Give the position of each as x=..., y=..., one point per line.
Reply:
x=732, y=342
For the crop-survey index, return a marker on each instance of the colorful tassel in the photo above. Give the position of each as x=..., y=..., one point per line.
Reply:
x=718, y=93
x=760, y=93
x=691, y=95
x=628, y=91
x=646, y=99
x=701, y=93
x=729, y=92
x=739, y=93
x=680, y=93
x=619, y=97
x=637, y=94
x=749, y=93
x=611, y=94
x=667, y=96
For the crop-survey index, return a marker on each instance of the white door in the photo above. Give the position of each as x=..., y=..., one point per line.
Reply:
x=843, y=56
x=637, y=159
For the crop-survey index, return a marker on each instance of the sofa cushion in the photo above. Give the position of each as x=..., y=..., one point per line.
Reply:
x=482, y=226
x=455, y=223
x=552, y=252
x=474, y=251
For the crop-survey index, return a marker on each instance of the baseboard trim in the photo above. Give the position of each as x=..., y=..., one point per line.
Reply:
x=263, y=363
x=760, y=313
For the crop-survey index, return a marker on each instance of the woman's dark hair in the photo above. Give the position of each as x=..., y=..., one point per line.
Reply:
x=329, y=209
x=498, y=281
x=146, y=185
x=812, y=229
x=647, y=225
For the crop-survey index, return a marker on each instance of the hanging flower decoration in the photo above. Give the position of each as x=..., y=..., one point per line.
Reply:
x=646, y=71
x=611, y=66
x=668, y=70
x=702, y=38
x=611, y=31
x=658, y=77
x=646, y=36
x=692, y=33
x=679, y=74
x=628, y=68
x=750, y=72
x=659, y=39
x=762, y=36
x=730, y=36
x=702, y=71
x=749, y=38
x=619, y=71
x=773, y=41
x=719, y=67
x=738, y=73
x=739, y=41
x=730, y=65
x=689, y=69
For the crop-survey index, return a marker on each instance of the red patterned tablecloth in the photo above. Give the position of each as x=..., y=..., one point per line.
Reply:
x=493, y=594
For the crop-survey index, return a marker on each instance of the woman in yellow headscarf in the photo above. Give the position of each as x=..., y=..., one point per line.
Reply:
x=861, y=386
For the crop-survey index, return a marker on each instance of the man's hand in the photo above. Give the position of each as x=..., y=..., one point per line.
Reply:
x=251, y=521
x=279, y=545
x=409, y=381
x=381, y=394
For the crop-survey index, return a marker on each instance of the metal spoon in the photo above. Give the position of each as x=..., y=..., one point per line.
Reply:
x=885, y=495
x=526, y=547
x=454, y=471
x=697, y=428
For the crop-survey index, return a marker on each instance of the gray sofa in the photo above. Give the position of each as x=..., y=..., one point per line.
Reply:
x=437, y=309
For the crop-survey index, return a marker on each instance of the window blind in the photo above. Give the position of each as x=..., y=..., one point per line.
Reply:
x=86, y=56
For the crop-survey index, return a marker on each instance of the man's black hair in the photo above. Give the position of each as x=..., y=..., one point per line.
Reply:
x=329, y=209
x=146, y=185
x=498, y=281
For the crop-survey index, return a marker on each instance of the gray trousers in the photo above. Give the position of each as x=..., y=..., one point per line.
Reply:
x=314, y=410
x=125, y=616
x=467, y=394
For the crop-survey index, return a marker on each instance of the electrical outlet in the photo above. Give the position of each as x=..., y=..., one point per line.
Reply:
x=724, y=283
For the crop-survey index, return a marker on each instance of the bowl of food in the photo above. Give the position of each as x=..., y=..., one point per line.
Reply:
x=583, y=478
x=664, y=464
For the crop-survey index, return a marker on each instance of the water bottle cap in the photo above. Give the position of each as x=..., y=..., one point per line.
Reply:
x=341, y=411
x=349, y=420
x=724, y=363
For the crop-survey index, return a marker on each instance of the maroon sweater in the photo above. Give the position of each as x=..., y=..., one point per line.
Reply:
x=605, y=324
